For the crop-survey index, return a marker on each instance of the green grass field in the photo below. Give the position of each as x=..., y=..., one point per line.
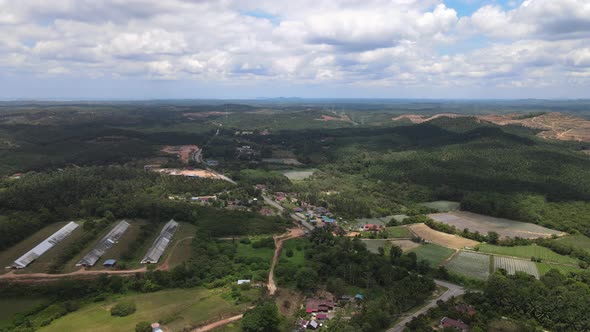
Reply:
x=12, y=306
x=178, y=309
x=9, y=255
x=298, y=255
x=399, y=232
x=564, y=269
x=578, y=241
x=432, y=253
x=470, y=264
x=528, y=252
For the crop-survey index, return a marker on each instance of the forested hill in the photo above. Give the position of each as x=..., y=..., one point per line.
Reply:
x=445, y=159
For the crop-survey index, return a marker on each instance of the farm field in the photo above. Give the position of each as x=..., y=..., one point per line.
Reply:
x=432, y=253
x=442, y=206
x=9, y=307
x=528, y=252
x=180, y=308
x=578, y=241
x=511, y=265
x=484, y=224
x=406, y=245
x=564, y=269
x=374, y=245
x=299, y=175
x=9, y=255
x=440, y=238
x=470, y=264
x=399, y=232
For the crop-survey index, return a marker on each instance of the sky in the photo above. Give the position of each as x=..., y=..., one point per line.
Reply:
x=236, y=49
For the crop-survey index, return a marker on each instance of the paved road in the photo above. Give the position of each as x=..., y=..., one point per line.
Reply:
x=269, y=201
x=452, y=291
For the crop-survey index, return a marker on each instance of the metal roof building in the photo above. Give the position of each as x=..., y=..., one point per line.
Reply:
x=161, y=243
x=104, y=244
x=42, y=247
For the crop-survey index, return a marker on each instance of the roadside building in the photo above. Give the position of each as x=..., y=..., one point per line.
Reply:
x=447, y=322
x=110, y=263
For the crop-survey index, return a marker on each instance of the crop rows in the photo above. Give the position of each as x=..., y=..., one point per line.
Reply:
x=511, y=265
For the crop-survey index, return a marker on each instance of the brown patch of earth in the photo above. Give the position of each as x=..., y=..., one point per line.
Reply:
x=440, y=238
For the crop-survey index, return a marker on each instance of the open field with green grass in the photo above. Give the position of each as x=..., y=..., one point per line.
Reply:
x=373, y=245
x=178, y=309
x=399, y=232
x=9, y=255
x=9, y=307
x=299, y=175
x=433, y=253
x=511, y=265
x=483, y=224
x=564, y=269
x=297, y=246
x=578, y=241
x=442, y=206
x=246, y=250
x=470, y=264
x=528, y=252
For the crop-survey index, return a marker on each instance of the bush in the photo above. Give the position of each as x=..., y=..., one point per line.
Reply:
x=123, y=309
x=143, y=327
x=289, y=253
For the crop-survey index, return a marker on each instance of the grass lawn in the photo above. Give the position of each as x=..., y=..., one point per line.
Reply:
x=12, y=306
x=246, y=250
x=432, y=253
x=399, y=232
x=564, y=269
x=9, y=255
x=578, y=241
x=298, y=255
x=178, y=309
x=528, y=252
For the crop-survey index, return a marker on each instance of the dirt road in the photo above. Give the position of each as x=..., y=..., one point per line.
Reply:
x=452, y=291
x=279, y=240
x=42, y=277
x=219, y=323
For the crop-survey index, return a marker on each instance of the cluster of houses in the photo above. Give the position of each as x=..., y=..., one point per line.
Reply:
x=457, y=324
x=319, y=309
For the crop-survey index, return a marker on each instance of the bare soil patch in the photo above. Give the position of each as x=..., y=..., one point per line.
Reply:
x=506, y=228
x=184, y=152
x=440, y=238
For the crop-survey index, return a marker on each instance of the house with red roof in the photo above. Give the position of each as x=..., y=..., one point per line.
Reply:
x=447, y=322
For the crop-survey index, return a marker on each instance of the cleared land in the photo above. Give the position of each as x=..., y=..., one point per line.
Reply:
x=298, y=175
x=528, y=252
x=432, y=253
x=554, y=125
x=511, y=265
x=180, y=308
x=184, y=152
x=440, y=238
x=406, y=245
x=399, y=232
x=470, y=264
x=442, y=206
x=8, y=256
x=374, y=245
x=484, y=224
x=564, y=269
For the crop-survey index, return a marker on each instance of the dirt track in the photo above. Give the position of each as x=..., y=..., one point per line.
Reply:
x=279, y=240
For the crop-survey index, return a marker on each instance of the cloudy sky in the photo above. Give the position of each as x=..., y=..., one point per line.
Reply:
x=140, y=49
